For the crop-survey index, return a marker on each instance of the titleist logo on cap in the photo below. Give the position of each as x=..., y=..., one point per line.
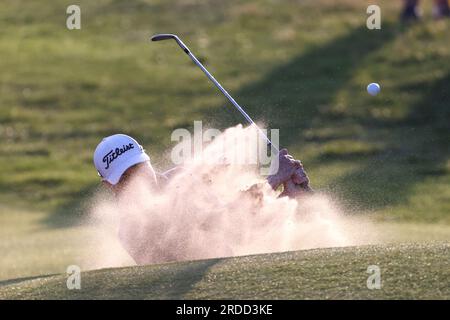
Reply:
x=114, y=154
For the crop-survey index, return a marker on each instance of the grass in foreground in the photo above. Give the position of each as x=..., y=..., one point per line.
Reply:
x=413, y=271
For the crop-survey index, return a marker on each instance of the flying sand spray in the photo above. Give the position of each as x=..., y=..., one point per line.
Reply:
x=209, y=211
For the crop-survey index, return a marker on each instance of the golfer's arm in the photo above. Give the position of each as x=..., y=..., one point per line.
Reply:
x=171, y=172
x=274, y=182
x=164, y=177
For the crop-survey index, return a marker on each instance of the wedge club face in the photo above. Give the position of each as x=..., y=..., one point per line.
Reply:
x=168, y=36
x=163, y=36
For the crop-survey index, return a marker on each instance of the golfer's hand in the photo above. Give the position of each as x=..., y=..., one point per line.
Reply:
x=298, y=185
x=287, y=166
x=300, y=177
x=290, y=189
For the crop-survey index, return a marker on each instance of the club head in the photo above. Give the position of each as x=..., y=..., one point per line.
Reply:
x=167, y=36
x=163, y=36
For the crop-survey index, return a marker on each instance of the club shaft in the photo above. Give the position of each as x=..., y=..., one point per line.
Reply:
x=222, y=89
x=230, y=98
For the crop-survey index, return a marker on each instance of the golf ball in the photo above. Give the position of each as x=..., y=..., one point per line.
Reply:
x=373, y=89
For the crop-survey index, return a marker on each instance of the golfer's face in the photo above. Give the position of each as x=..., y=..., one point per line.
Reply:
x=137, y=174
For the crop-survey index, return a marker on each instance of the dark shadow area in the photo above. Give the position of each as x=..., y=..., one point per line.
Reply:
x=414, y=148
x=184, y=279
x=287, y=98
x=19, y=280
x=417, y=148
x=159, y=282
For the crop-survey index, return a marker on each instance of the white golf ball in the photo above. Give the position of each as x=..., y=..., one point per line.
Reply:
x=373, y=89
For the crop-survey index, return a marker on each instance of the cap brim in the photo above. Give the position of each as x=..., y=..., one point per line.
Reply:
x=139, y=158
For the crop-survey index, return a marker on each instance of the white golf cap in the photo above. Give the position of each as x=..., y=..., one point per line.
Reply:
x=115, y=154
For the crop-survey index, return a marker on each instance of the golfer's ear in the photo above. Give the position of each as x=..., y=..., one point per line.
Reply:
x=107, y=185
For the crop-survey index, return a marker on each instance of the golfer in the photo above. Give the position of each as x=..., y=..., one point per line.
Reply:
x=120, y=158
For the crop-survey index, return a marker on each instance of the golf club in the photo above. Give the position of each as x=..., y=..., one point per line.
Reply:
x=167, y=36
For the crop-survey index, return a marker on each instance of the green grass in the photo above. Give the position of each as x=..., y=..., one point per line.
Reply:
x=407, y=272
x=300, y=66
x=29, y=247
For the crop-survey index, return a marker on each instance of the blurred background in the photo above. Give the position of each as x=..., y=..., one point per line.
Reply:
x=300, y=66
